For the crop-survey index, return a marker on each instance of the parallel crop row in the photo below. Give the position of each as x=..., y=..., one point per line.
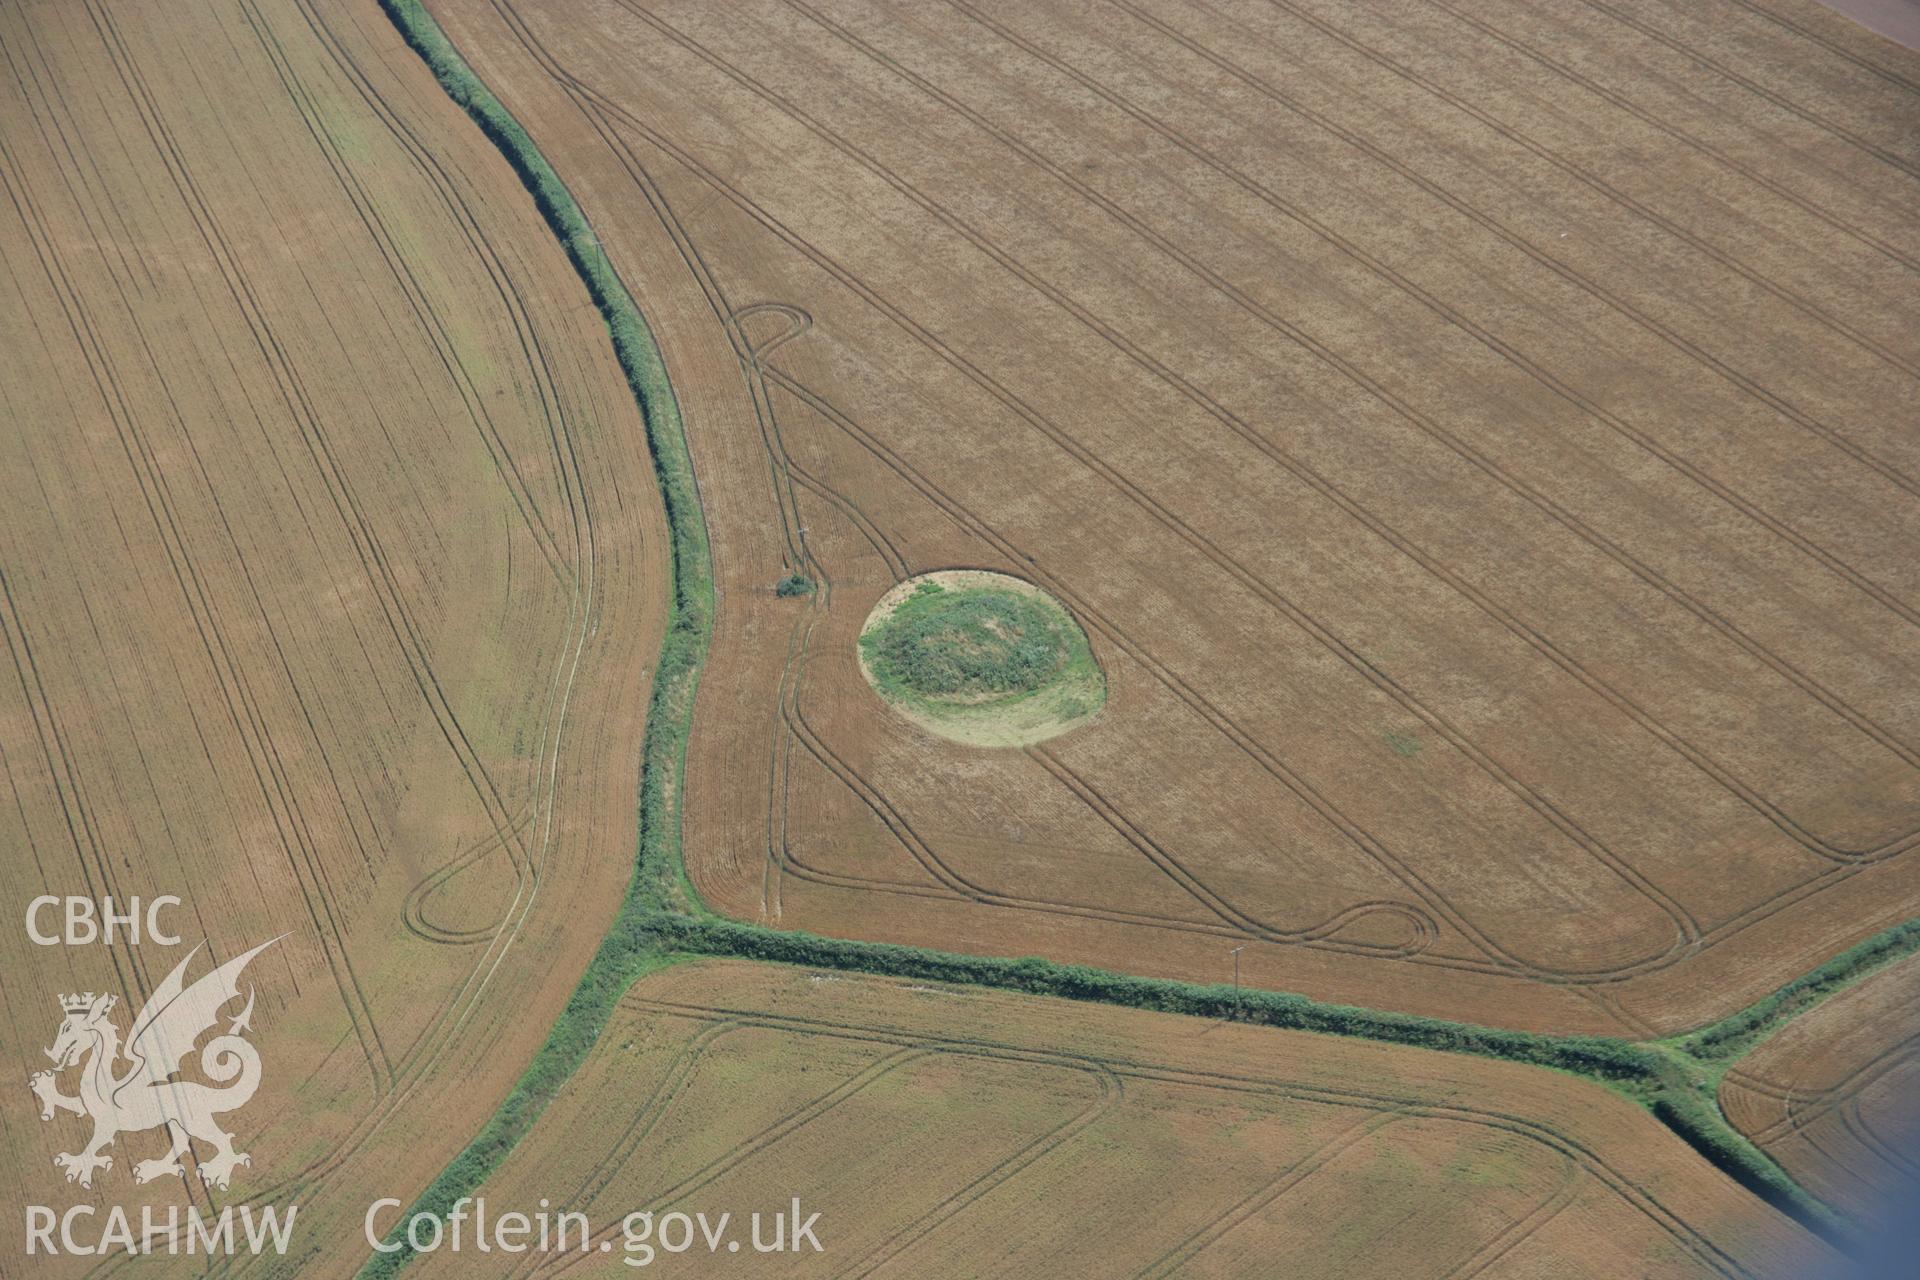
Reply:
x=660, y=917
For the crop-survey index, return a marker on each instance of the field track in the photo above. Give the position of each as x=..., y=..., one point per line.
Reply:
x=946, y=1142
x=1831, y=1095
x=1478, y=445
x=331, y=570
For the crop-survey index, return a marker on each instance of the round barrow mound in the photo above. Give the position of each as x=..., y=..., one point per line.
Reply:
x=981, y=658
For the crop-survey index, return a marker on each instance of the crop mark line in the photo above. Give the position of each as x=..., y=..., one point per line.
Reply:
x=584, y=99
x=461, y=1004
x=1831, y=46
x=1641, y=439
x=562, y=686
x=1686, y=929
x=752, y=1146
x=1801, y=1108
x=592, y=105
x=1111, y=1091
x=1252, y=1205
x=1431, y=564
x=1097, y=622
x=1640, y=210
x=1335, y=1094
x=161, y=511
x=1110, y=813
x=601, y=112
x=1626, y=104
x=505, y=465
x=1814, y=118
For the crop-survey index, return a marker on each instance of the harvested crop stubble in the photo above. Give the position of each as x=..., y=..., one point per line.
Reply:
x=943, y=1131
x=1834, y=1095
x=1481, y=456
x=331, y=570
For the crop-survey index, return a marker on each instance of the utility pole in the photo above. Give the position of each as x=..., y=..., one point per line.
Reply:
x=1236, y=978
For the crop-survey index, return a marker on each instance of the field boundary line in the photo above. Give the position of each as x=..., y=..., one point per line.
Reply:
x=689, y=617
x=661, y=920
x=597, y=108
x=1738, y=1033
x=603, y=115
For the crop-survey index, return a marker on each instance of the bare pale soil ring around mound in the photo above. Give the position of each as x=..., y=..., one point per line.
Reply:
x=1474, y=441
x=1477, y=440
x=331, y=575
x=1059, y=690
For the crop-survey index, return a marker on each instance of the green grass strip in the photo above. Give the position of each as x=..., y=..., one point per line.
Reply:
x=1739, y=1032
x=1597, y=1057
x=627, y=950
x=661, y=917
x=1645, y=1073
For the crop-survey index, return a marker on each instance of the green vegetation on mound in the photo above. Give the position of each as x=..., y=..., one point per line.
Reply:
x=970, y=645
x=982, y=658
x=661, y=919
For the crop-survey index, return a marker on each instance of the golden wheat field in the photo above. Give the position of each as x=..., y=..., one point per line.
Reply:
x=953, y=1132
x=1831, y=1095
x=331, y=577
x=1478, y=442
x=1087, y=638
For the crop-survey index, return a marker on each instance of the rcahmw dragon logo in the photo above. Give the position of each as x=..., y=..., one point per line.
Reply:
x=145, y=1095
